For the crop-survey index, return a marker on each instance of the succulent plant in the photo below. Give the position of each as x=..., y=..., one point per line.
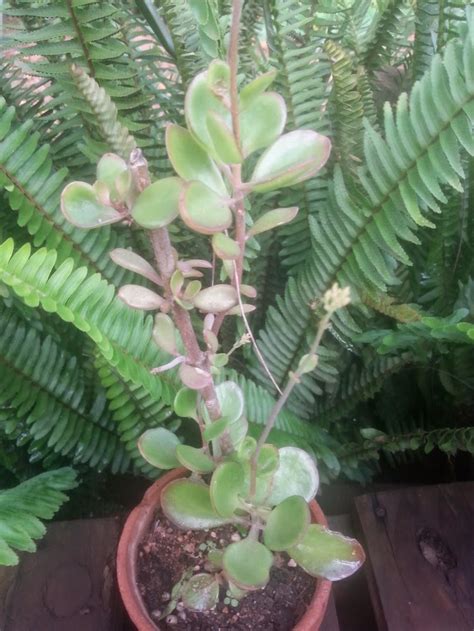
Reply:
x=234, y=478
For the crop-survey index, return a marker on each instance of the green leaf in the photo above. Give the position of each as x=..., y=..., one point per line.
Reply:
x=135, y=263
x=139, y=297
x=201, y=98
x=194, y=459
x=287, y=524
x=193, y=377
x=158, y=204
x=231, y=400
x=262, y=122
x=81, y=207
x=201, y=592
x=327, y=554
x=190, y=161
x=247, y=564
x=238, y=431
x=188, y=505
x=158, y=447
x=109, y=167
x=293, y=158
x=225, y=247
x=256, y=87
x=296, y=475
x=164, y=333
x=222, y=138
x=227, y=484
x=203, y=210
x=268, y=460
x=216, y=299
x=215, y=429
x=185, y=403
x=272, y=219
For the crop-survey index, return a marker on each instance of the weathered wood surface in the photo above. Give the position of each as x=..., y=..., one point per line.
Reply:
x=420, y=543
x=68, y=585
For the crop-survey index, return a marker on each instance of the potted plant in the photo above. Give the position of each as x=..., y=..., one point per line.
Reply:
x=253, y=502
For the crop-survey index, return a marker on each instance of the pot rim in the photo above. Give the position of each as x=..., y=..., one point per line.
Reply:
x=133, y=532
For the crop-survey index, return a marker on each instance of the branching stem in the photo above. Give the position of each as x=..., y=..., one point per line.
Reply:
x=293, y=379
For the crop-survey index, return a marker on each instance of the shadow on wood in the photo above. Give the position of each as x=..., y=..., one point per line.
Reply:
x=420, y=542
x=68, y=585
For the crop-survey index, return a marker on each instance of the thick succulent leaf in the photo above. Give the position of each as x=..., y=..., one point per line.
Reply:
x=256, y=87
x=227, y=485
x=158, y=447
x=272, y=219
x=190, y=161
x=218, y=76
x=193, y=377
x=225, y=247
x=223, y=141
x=81, y=207
x=203, y=210
x=262, y=122
x=139, y=297
x=158, y=204
x=194, y=459
x=216, y=299
x=200, y=99
x=247, y=448
x=327, y=554
x=231, y=400
x=185, y=403
x=201, y=592
x=268, y=460
x=215, y=429
x=293, y=158
x=192, y=290
x=109, y=167
x=188, y=505
x=238, y=431
x=297, y=474
x=164, y=333
x=247, y=564
x=135, y=263
x=287, y=524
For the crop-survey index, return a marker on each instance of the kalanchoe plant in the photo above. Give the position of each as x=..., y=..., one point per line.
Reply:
x=234, y=479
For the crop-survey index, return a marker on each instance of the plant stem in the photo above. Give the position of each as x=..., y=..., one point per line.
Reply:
x=166, y=263
x=291, y=383
x=233, y=59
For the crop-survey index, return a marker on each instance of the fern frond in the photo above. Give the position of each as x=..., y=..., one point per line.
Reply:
x=346, y=100
x=426, y=32
x=356, y=385
x=43, y=387
x=34, y=188
x=389, y=37
x=115, y=133
x=22, y=508
x=449, y=440
x=358, y=238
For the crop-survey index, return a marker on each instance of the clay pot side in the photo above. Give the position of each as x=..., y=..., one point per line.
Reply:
x=134, y=531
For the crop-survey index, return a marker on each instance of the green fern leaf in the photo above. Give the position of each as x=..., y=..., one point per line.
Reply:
x=22, y=508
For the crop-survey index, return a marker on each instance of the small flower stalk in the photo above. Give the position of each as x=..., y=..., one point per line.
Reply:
x=234, y=478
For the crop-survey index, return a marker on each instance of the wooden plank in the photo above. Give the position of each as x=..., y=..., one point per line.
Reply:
x=68, y=584
x=420, y=543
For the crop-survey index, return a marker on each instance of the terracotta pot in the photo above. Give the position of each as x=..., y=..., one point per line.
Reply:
x=135, y=530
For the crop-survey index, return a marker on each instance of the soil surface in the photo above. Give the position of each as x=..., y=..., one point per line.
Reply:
x=167, y=552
